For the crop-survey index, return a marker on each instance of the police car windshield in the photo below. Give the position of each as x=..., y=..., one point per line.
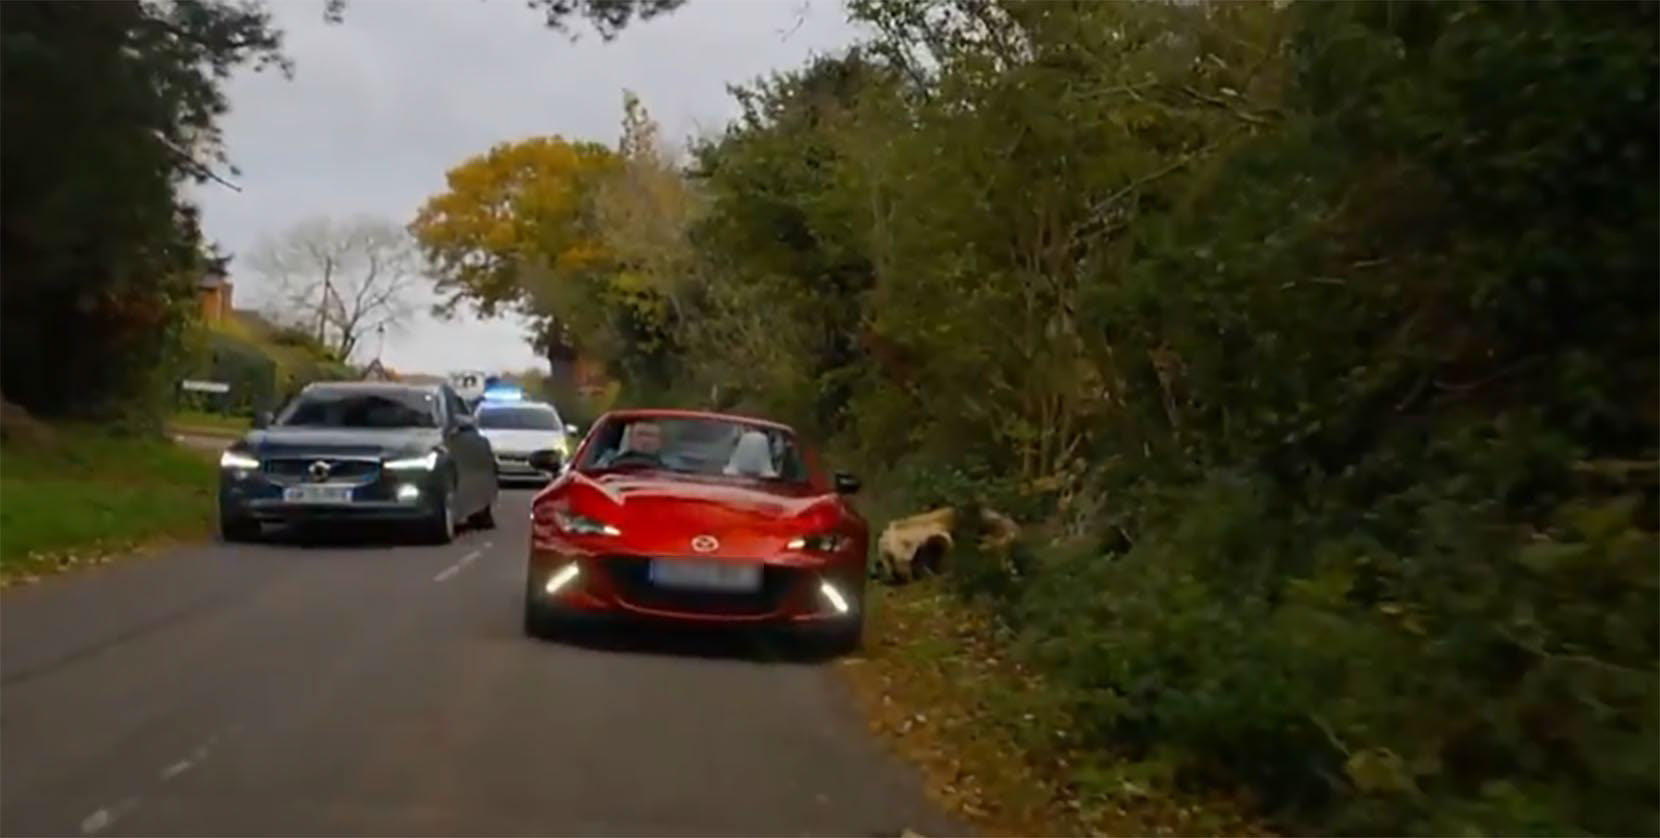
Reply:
x=517, y=418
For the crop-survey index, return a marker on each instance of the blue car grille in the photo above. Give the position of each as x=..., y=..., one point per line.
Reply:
x=299, y=468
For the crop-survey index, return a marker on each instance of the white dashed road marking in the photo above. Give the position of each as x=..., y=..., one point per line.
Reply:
x=187, y=763
x=100, y=820
x=453, y=569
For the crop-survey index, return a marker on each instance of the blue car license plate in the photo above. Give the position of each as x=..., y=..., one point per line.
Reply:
x=321, y=493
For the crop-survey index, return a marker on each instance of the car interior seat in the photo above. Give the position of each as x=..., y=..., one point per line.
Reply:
x=752, y=456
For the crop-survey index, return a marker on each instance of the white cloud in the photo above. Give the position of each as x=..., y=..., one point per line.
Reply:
x=382, y=105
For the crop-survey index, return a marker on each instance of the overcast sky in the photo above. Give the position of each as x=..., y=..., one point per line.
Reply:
x=381, y=106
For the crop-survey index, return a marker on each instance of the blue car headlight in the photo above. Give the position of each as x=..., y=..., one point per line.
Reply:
x=238, y=460
x=425, y=462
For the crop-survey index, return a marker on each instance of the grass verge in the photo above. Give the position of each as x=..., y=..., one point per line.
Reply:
x=80, y=494
x=937, y=681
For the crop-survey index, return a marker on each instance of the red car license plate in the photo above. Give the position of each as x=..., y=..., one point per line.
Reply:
x=706, y=576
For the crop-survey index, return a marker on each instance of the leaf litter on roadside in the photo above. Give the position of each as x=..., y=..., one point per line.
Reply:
x=935, y=682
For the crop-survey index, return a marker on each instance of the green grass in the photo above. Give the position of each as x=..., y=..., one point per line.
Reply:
x=86, y=493
x=202, y=420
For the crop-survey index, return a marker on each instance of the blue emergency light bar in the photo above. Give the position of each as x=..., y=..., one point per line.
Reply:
x=504, y=394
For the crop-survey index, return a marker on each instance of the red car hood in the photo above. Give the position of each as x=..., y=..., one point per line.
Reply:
x=660, y=514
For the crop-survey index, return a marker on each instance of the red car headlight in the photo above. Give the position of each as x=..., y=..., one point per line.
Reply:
x=823, y=542
x=573, y=524
x=551, y=517
x=549, y=521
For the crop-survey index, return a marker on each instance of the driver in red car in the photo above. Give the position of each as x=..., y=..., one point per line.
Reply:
x=642, y=443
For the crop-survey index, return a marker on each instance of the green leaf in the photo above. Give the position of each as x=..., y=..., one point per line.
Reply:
x=1549, y=557
x=1379, y=770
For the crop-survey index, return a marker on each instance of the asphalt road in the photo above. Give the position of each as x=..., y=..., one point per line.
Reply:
x=310, y=688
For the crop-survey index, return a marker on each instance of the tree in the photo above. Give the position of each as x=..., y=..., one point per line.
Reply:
x=515, y=231
x=342, y=280
x=593, y=245
x=785, y=241
x=608, y=17
x=645, y=210
x=108, y=107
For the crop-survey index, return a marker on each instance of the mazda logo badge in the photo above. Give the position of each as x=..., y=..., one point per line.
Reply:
x=705, y=544
x=319, y=470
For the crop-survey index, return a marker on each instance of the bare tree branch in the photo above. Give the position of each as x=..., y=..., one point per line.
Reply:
x=191, y=164
x=343, y=279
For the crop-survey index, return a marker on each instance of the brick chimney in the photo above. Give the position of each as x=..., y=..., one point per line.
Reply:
x=214, y=293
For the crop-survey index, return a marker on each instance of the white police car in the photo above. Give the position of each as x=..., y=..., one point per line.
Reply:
x=518, y=428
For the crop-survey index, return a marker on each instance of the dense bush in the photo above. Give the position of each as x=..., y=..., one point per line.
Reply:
x=1360, y=365
x=1460, y=680
x=1315, y=344
x=251, y=375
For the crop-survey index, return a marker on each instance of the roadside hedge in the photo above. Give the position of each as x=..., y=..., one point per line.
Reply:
x=1314, y=343
x=1339, y=442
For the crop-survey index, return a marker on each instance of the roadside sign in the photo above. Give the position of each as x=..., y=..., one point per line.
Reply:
x=205, y=386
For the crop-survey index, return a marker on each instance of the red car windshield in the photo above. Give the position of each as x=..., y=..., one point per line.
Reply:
x=686, y=445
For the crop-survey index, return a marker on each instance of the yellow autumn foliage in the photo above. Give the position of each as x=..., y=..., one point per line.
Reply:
x=518, y=205
x=589, y=242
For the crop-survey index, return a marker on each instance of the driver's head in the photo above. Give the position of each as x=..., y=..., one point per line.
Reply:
x=645, y=437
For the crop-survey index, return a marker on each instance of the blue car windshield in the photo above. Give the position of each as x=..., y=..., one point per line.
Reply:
x=349, y=409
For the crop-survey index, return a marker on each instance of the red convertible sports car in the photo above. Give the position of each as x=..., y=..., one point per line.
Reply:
x=688, y=517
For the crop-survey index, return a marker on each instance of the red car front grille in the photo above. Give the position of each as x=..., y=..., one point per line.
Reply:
x=631, y=575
